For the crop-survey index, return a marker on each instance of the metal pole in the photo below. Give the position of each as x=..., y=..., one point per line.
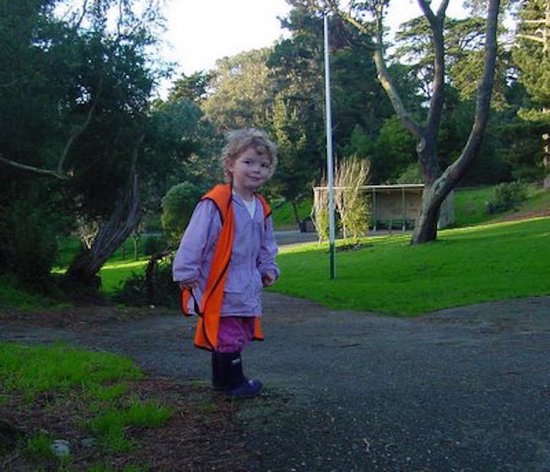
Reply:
x=330, y=165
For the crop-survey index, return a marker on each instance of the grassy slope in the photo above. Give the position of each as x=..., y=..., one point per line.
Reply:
x=471, y=204
x=469, y=265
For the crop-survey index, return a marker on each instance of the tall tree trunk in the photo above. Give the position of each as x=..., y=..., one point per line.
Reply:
x=425, y=228
x=437, y=187
x=111, y=234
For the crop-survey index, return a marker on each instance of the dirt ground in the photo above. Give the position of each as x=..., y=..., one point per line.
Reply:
x=465, y=389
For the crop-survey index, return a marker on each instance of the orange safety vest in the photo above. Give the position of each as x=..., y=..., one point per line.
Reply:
x=206, y=334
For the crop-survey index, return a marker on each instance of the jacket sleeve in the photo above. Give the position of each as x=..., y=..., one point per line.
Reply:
x=268, y=251
x=190, y=256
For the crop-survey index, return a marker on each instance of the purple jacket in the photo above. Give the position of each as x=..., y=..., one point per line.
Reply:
x=254, y=252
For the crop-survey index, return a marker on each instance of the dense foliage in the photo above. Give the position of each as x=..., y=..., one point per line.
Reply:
x=83, y=148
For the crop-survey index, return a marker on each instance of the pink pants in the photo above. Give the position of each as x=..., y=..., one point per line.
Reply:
x=235, y=333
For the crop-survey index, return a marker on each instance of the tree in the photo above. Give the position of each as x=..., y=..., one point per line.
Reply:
x=359, y=104
x=393, y=152
x=532, y=56
x=297, y=67
x=111, y=233
x=181, y=145
x=75, y=96
x=294, y=167
x=438, y=183
x=240, y=92
x=192, y=87
x=464, y=43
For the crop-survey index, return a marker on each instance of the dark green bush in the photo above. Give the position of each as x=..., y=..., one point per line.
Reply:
x=30, y=248
x=508, y=196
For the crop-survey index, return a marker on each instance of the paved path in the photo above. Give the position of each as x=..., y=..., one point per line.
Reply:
x=466, y=389
x=286, y=238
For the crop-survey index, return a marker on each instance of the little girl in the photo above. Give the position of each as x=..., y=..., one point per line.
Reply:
x=227, y=254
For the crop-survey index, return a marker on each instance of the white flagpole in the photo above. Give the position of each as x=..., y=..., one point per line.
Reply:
x=330, y=164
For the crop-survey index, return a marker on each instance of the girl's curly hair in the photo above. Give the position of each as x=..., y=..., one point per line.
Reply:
x=238, y=141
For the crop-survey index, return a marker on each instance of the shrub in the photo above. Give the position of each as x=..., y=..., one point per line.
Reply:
x=507, y=196
x=351, y=201
x=177, y=208
x=31, y=245
x=411, y=175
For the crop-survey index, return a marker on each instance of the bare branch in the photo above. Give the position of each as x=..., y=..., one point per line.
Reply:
x=427, y=10
x=82, y=16
x=485, y=89
x=79, y=131
x=353, y=21
x=397, y=103
x=36, y=170
x=442, y=9
x=383, y=74
x=58, y=173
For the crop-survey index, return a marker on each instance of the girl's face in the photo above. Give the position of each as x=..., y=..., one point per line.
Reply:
x=250, y=170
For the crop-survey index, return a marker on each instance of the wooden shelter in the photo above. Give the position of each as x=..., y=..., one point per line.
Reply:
x=396, y=207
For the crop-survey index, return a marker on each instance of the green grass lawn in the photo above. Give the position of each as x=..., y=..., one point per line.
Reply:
x=388, y=275
x=114, y=273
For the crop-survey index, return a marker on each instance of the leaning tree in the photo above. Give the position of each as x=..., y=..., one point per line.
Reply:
x=75, y=95
x=438, y=182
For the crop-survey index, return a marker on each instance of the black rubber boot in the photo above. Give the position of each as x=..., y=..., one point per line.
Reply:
x=219, y=374
x=237, y=385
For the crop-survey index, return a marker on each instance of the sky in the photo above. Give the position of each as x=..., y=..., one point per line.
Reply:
x=202, y=31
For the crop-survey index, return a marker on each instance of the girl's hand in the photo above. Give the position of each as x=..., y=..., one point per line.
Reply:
x=189, y=285
x=269, y=278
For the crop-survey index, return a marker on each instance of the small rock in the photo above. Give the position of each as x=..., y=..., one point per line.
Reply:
x=61, y=448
